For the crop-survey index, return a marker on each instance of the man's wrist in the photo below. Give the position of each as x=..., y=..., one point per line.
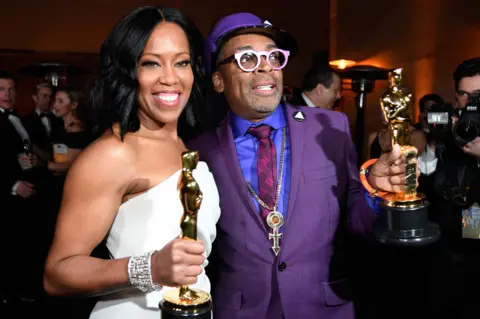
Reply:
x=370, y=195
x=366, y=179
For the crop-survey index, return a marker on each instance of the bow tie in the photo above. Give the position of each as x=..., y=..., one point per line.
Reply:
x=43, y=114
x=9, y=111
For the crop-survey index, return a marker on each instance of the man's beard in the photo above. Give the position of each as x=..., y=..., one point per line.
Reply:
x=261, y=106
x=264, y=109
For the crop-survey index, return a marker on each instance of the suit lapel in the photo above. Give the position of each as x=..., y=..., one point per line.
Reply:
x=296, y=131
x=227, y=146
x=15, y=138
x=40, y=124
x=37, y=125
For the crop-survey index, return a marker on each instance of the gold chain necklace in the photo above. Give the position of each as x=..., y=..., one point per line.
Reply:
x=274, y=218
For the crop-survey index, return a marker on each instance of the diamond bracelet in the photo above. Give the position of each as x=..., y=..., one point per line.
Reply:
x=140, y=272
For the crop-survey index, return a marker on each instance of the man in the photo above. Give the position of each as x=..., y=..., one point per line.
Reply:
x=425, y=104
x=467, y=83
x=14, y=139
x=455, y=193
x=44, y=129
x=285, y=207
x=321, y=88
x=17, y=196
x=42, y=125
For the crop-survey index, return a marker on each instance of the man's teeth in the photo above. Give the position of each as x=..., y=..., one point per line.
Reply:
x=166, y=97
x=264, y=87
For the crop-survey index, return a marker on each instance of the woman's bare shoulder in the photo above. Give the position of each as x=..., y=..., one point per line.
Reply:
x=108, y=158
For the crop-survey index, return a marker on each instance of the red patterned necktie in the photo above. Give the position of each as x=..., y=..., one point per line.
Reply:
x=266, y=166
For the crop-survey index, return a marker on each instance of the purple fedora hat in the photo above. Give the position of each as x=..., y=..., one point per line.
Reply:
x=243, y=23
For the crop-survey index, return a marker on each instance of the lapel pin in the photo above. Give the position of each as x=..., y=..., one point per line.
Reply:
x=299, y=116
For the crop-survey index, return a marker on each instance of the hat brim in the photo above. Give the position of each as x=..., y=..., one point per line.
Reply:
x=282, y=39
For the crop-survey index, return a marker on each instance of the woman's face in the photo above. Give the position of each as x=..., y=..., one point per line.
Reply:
x=62, y=105
x=165, y=76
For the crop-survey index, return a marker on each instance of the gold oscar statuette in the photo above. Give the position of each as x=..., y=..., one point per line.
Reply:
x=396, y=106
x=186, y=302
x=405, y=221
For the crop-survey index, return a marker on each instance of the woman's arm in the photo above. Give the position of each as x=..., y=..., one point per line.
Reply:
x=95, y=187
x=93, y=192
x=65, y=166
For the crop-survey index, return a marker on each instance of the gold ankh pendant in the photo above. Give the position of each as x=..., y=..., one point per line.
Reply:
x=275, y=221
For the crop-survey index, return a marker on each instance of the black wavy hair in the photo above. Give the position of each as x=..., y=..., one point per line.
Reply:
x=113, y=95
x=467, y=68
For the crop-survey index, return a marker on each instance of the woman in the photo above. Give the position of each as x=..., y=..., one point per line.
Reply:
x=75, y=137
x=67, y=146
x=124, y=185
x=379, y=143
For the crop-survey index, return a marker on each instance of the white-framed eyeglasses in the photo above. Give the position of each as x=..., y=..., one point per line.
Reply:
x=250, y=60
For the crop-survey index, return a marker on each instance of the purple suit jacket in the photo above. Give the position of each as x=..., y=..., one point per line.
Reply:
x=325, y=199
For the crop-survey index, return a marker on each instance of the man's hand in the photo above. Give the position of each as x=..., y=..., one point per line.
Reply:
x=30, y=160
x=33, y=159
x=26, y=189
x=473, y=148
x=388, y=173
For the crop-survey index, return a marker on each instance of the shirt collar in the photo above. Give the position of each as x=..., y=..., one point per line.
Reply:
x=40, y=112
x=308, y=101
x=240, y=126
x=9, y=111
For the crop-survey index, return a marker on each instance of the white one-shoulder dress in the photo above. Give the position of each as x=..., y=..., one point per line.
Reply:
x=148, y=222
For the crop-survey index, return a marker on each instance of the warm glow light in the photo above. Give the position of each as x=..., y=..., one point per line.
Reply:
x=342, y=64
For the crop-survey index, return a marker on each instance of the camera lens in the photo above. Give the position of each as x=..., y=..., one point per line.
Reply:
x=466, y=129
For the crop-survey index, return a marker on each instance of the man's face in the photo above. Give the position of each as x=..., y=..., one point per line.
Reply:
x=331, y=94
x=422, y=117
x=251, y=95
x=428, y=106
x=43, y=98
x=7, y=93
x=466, y=86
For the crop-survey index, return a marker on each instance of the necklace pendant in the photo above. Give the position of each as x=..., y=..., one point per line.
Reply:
x=275, y=221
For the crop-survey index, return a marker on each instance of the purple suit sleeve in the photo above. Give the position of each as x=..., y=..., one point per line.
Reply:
x=360, y=216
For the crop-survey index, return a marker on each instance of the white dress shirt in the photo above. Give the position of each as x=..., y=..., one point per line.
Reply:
x=308, y=101
x=427, y=162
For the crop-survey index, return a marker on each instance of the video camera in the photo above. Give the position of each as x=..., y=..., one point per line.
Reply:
x=439, y=119
x=465, y=129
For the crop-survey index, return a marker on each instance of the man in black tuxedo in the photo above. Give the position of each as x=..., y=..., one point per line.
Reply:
x=44, y=129
x=18, y=198
x=321, y=88
x=42, y=125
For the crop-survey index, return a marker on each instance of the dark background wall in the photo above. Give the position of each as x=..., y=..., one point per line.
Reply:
x=55, y=28
x=428, y=38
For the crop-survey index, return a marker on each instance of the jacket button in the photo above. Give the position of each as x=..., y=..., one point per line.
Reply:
x=282, y=266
